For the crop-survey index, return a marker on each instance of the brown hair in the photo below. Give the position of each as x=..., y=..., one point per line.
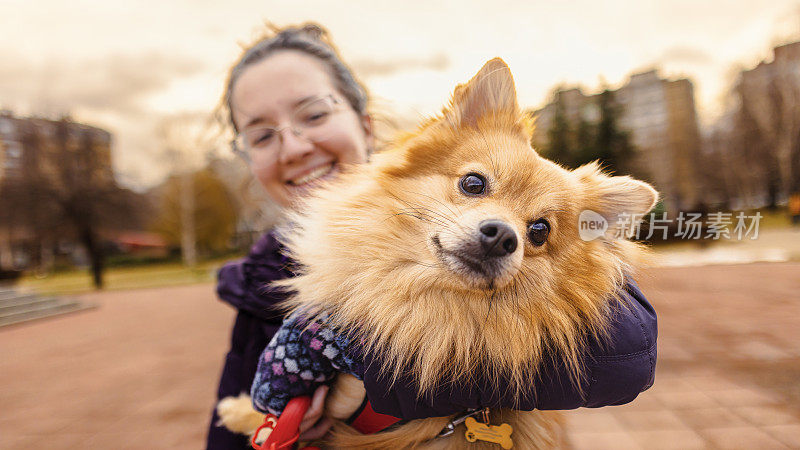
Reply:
x=309, y=38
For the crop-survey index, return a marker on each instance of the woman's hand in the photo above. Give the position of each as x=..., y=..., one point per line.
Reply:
x=312, y=427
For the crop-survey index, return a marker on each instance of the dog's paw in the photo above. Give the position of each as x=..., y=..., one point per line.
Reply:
x=237, y=414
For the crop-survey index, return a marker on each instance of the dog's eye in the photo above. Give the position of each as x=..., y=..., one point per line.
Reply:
x=473, y=184
x=538, y=232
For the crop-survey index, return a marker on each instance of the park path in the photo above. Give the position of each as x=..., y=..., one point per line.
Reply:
x=139, y=372
x=728, y=373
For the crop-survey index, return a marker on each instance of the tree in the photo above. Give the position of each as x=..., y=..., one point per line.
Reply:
x=612, y=145
x=187, y=138
x=213, y=213
x=66, y=188
x=602, y=140
x=559, y=145
x=585, y=148
x=767, y=122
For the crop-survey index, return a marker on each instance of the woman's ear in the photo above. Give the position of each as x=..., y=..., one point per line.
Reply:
x=369, y=135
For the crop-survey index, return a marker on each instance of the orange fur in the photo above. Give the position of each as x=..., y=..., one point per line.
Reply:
x=364, y=246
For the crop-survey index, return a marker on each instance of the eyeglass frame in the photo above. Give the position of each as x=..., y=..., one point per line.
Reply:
x=244, y=154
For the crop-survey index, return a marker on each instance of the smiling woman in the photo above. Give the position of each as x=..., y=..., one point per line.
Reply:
x=299, y=117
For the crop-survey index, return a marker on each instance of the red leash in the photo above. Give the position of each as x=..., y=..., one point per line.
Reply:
x=286, y=428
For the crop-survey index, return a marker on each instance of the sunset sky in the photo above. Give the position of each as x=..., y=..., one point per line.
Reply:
x=128, y=66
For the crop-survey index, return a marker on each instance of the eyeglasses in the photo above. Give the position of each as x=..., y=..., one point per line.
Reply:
x=308, y=121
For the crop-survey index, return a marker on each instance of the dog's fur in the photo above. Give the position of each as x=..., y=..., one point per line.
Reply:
x=376, y=253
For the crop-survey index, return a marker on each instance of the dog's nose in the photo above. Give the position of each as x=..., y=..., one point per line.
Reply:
x=497, y=238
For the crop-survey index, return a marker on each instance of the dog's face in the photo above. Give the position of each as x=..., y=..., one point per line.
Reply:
x=493, y=210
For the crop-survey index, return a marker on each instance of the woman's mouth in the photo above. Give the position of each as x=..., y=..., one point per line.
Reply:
x=315, y=174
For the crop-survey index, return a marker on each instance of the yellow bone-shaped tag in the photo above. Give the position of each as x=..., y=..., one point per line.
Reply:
x=499, y=434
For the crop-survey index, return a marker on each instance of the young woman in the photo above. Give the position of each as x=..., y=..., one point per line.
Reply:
x=299, y=115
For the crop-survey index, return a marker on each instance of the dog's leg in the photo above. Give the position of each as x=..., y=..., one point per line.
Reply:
x=345, y=397
x=237, y=414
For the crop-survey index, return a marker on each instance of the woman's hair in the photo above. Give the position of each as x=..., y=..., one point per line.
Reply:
x=311, y=39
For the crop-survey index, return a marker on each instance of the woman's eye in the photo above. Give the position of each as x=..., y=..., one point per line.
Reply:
x=315, y=117
x=473, y=184
x=538, y=232
x=261, y=138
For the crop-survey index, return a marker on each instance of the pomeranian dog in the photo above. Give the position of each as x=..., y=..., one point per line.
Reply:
x=458, y=250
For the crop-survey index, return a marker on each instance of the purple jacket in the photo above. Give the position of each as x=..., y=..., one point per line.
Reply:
x=616, y=370
x=243, y=284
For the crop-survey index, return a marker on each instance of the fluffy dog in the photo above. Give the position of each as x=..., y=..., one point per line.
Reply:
x=457, y=251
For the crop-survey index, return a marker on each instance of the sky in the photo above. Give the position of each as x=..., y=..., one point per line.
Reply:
x=135, y=67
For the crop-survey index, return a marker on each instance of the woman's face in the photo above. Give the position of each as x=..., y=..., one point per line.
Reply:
x=276, y=92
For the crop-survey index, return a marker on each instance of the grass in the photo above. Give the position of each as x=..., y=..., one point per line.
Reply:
x=774, y=219
x=117, y=278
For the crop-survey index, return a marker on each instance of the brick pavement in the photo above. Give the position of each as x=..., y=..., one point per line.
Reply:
x=728, y=373
x=139, y=372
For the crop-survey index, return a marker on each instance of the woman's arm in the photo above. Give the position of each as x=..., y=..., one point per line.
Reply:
x=617, y=370
x=623, y=370
x=245, y=283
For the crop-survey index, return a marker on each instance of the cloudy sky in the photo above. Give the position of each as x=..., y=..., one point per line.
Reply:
x=132, y=66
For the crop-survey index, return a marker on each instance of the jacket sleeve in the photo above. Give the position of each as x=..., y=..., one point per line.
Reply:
x=617, y=370
x=244, y=284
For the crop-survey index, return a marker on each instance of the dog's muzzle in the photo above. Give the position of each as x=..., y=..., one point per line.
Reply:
x=482, y=255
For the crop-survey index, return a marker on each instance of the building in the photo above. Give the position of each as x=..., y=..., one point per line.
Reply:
x=767, y=99
x=752, y=150
x=60, y=153
x=661, y=118
x=28, y=143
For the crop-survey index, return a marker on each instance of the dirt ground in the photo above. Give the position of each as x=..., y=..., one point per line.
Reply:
x=140, y=371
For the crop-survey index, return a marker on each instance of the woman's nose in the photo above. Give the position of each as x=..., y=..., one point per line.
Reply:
x=294, y=146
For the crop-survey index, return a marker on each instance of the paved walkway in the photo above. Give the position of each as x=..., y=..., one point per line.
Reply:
x=728, y=373
x=139, y=372
x=772, y=245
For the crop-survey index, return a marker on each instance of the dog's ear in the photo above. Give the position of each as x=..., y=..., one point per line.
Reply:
x=621, y=200
x=490, y=91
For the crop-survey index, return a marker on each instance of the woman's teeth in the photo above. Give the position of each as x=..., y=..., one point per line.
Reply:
x=313, y=175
